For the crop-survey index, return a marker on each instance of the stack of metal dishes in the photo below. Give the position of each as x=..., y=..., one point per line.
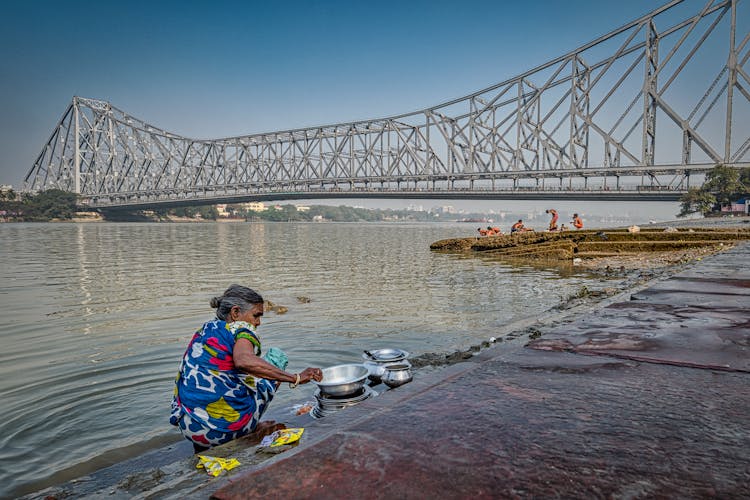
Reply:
x=328, y=404
x=342, y=386
x=377, y=360
x=342, y=380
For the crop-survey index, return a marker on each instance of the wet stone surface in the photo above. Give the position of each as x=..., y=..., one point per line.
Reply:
x=536, y=424
x=692, y=319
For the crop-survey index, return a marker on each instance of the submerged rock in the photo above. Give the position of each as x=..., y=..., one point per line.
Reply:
x=270, y=306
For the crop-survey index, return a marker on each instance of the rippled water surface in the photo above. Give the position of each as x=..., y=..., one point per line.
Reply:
x=94, y=318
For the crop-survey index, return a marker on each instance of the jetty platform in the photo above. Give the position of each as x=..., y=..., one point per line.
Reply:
x=648, y=396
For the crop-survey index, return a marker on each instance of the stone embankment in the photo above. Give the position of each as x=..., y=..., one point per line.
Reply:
x=589, y=244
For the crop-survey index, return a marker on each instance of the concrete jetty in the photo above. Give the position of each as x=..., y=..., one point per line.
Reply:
x=647, y=397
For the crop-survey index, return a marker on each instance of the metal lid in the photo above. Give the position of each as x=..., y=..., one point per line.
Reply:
x=386, y=355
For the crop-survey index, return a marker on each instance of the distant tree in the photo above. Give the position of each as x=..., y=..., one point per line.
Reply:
x=722, y=186
x=208, y=212
x=187, y=212
x=745, y=180
x=250, y=214
x=724, y=183
x=282, y=213
x=696, y=200
x=12, y=209
x=8, y=195
x=49, y=204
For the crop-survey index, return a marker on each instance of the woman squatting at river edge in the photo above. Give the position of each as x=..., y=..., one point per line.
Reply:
x=224, y=385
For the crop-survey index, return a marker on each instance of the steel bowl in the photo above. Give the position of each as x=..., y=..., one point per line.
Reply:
x=343, y=380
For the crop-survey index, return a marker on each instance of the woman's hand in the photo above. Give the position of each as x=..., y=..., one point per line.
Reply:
x=309, y=374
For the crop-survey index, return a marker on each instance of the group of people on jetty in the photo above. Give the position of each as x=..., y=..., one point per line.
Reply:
x=519, y=226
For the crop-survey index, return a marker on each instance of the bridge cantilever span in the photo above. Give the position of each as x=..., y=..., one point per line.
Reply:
x=631, y=115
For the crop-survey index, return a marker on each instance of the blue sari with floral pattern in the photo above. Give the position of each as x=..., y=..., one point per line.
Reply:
x=213, y=401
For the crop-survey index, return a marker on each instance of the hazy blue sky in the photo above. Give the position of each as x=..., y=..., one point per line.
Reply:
x=222, y=68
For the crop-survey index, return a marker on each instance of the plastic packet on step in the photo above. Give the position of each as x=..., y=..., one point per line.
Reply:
x=282, y=437
x=215, y=465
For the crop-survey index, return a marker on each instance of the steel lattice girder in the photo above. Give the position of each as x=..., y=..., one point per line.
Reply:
x=577, y=115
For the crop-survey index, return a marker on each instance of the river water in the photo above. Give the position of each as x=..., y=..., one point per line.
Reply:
x=95, y=317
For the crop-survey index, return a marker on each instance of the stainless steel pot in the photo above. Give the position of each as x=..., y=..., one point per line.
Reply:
x=377, y=360
x=378, y=369
x=397, y=374
x=343, y=380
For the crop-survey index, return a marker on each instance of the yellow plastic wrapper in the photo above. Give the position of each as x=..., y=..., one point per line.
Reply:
x=282, y=437
x=215, y=466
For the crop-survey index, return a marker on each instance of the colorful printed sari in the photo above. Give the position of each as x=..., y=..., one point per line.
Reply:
x=214, y=402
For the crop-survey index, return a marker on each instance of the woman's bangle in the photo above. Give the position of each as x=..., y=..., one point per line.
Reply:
x=296, y=383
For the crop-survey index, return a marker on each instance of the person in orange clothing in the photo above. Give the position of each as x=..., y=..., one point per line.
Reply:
x=577, y=222
x=518, y=227
x=553, y=222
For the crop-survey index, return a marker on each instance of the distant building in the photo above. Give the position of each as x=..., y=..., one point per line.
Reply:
x=737, y=207
x=5, y=191
x=445, y=209
x=255, y=206
x=221, y=210
x=302, y=208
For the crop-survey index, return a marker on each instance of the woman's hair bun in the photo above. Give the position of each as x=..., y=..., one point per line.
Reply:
x=215, y=302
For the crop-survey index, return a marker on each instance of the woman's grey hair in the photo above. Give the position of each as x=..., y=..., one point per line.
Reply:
x=235, y=295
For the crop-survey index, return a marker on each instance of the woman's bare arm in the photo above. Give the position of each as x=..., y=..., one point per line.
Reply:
x=246, y=360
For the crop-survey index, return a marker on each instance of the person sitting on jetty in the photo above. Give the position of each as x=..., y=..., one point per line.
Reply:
x=553, y=222
x=223, y=385
x=518, y=227
x=577, y=222
x=492, y=231
x=482, y=232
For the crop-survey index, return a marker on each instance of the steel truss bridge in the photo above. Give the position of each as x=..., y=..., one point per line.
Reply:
x=632, y=115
